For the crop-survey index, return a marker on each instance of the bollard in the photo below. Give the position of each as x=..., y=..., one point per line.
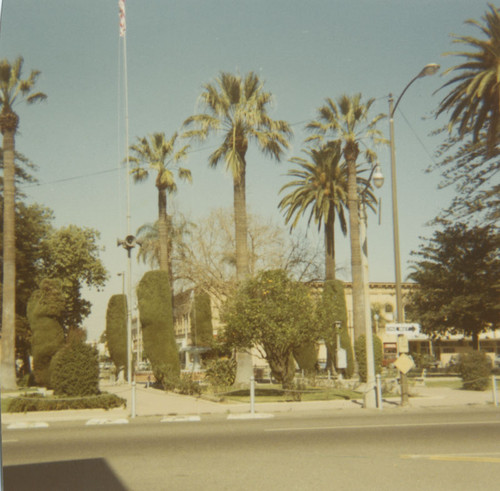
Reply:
x=252, y=394
x=379, y=391
x=132, y=409
x=494, y=388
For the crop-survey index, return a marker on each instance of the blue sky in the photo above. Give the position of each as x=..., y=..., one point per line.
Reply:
x=304, y=51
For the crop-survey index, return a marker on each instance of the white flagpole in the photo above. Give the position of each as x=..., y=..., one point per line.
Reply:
x=123, y=34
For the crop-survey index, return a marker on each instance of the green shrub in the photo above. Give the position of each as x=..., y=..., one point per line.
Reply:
x=75, y=369
x=155, y=308
x=187, y=386
x=221, y=372
x=116, y=330
x=474, y=369
x=43, y=311
x=36, y=402
x=202, y=332
x=360, y=349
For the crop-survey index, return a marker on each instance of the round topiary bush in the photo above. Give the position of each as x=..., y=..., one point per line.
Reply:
x=75, y=370
x=474, y=369
x=360, y=350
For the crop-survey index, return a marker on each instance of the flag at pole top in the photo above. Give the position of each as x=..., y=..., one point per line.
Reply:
x=121, y=15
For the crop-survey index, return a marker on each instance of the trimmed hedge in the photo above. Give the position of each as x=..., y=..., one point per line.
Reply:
x=360, y=349
x=116, y=330
x=75, y=369
x=202, y=332
x=34, y=402
x=43, y=311
x=155, y=308
x=475, y=370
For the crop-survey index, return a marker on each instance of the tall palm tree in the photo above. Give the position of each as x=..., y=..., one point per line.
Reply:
x=474, y=98
x=236, y=108
x=319, y=185
x=159, y=155
x=347, y=121
x=13, y=89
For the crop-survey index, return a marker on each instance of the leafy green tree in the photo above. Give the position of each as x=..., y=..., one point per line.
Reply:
x=202, y=332
x=329, y=309
x=160, y=156
x=155, y=308
x=347, y=121
x=457, y=272
x=72, y=255
x=320, y=185
x=33, y=222
x=116, y=330
x=44, y=313
x=13, y=89
x=474, y=96
x=274, y=315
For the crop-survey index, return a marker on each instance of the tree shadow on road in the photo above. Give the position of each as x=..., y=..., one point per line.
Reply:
x=74, y=475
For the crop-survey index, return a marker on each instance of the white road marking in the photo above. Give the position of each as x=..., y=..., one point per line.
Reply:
x=399, y=425
x=180, y=419
x=103, y=421
x=23, y=425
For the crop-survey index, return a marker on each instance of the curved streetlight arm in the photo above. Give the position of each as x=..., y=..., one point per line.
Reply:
x=429, y=69
x=403, y=93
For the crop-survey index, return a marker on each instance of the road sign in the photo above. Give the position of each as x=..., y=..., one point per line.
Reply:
x=403, y=346
x=404, y=363
x=341, y=358
x=409, y=330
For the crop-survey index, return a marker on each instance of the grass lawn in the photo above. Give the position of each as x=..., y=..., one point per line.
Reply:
x=450, y=383
x=274, y=393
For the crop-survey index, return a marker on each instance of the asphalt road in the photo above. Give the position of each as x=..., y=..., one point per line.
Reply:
x=456, y=450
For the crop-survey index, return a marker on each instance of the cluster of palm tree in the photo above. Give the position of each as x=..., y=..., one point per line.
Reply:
x=236, y=110
x=325, y=184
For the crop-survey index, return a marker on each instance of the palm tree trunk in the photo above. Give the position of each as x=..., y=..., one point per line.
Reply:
x=163, y=229
x=358, y=302
x=330, y=245
x=240, y=226
x=8, y=374
x=244, y=364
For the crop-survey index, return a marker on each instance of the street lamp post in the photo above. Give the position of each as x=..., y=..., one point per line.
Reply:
x=370, y=397
x=429, y=69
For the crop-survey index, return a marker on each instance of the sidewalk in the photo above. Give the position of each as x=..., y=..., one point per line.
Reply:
x=154, y=402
